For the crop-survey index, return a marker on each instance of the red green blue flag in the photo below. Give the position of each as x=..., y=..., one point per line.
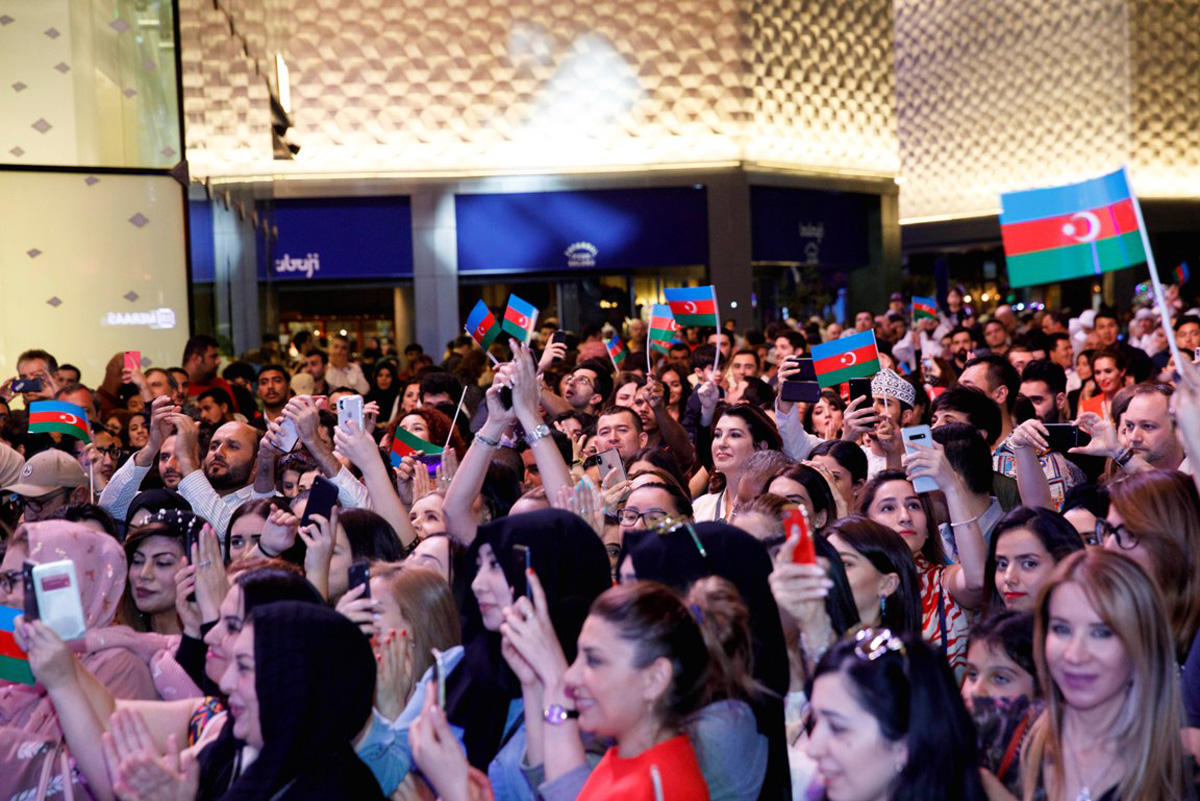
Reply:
x=616, y=350
x=519, y=318
x=482, y=325
x=693, y=305
x=1182, y=273
x=924, y=307
x=14, y=664
x=58, y=417
x=842, y=359
x=1071, y=231
x=406, y=444
x=662, y=327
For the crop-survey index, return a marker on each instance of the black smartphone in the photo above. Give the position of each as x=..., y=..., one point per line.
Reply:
x=558, y=336
x=520, y=563
x=31, y=604
x=27, y=385
x=321, y=499
x=506, y=397
x=861, y=387
x=1064, y=436
x=431, y=462
x=807, y=371
x=360, y=574
x=802, y=391
x=190, y=541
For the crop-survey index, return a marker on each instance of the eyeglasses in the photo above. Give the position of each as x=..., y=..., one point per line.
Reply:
x=872, y=644
x=1126, y=539
x=630, y=516
x=36, y=505
x=111, y=451
x=9, y=579
x=581, y=379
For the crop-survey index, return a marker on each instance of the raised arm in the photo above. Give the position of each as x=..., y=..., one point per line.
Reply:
x=1027, y=440
x=554, y=470
x=461, y=521
x=358, y=446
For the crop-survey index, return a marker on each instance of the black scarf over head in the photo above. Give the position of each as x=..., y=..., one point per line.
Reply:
x=674, y=559
x=573, y=568
x=315, y=679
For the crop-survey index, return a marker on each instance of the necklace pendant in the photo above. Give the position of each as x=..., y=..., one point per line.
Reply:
x=1084, y=795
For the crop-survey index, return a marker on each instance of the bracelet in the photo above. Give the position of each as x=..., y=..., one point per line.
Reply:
x=1123, y=456
x=488, y=441
x=965, y=522
x=265, y=552
x=556, y=714
x=540, y=431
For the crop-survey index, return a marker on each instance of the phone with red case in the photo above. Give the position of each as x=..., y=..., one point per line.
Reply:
x=796, y=522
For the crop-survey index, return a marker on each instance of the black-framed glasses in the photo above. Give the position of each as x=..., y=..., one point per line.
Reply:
x=872, y=644
x=630, y=516
x=1126, y=539
x=9, y=579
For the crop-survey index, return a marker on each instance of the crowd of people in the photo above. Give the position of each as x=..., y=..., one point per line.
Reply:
x=550, y=575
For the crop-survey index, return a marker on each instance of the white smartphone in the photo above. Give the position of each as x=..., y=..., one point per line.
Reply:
x=611, y=460
x=58, y=602
x=921, y=435
x=350, y=408
x=290, y=436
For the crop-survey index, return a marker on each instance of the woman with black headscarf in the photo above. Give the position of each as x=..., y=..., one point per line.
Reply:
x=690, y=552
x=483, y=696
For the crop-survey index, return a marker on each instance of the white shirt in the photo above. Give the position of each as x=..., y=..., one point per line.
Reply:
x=349, y=376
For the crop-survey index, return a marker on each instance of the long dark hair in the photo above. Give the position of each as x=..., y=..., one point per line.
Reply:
x=888, y=553
x=1057, y=536
x=932, y=549
x=371, y=537
x=912, y=695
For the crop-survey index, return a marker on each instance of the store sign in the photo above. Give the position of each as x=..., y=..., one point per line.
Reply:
x=156, y=319
x=325, y=239
x=601, y=229
x=812, y=226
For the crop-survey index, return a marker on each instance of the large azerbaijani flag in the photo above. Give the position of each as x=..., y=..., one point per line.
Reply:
x=14, y=664
x=482, y=325
x=406, y=444
x=58, y=417
x=662, y=328
x=519, y=318
x=842, y=359
x=1071, y=231
x=693, y=305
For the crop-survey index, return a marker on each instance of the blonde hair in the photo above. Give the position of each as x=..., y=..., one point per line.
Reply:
x=1147, y=730
x=427, y=603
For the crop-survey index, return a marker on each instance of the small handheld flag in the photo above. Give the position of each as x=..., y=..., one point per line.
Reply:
x=1181, y=273
x=14, y=663
x=482, y=325
x=924, y=307
x=662, y=324
x=693, y=305
x=58, y=417
x=406, y=444
x=617, y=351
x=842, y=359
x=1071, y=231
x=519, y=318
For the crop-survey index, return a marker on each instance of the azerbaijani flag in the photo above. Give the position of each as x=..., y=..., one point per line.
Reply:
x=924, y=307
x=519, y=318
x=406, y=444
x=693, y=305
x=14, y=664
x=1070, y=231
x=662, y=325
x=58, y=417
x=616, y=350
x=482, y=325
x=842, y=359
x=1182, y=273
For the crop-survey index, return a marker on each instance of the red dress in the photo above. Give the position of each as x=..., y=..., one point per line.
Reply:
x=674, y=763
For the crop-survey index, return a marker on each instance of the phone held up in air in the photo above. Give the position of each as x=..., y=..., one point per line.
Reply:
x=27, y=385
x=522, y=560
x=290, y=435
x=350, y=409
x=861, y=387
x=796, y=523
x=360, y=575
x=321, y=499
x=611, y=460
x=803, y=387
x=921, y=435
x=1064, y=436
x=56, y=601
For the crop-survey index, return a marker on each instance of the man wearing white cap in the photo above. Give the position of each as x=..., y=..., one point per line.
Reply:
x=891, y=410
x=49, y=481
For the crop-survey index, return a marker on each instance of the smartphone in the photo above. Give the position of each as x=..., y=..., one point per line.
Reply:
x=431, y=462
x=31, y=604
x=521, y=561
x=321, y=499
x=921, y=435
x=558, y=336
x=927, y=367
x=58, y=602
x=807, y=371
x=802, y=391
x=27, y=385
x=290, y=436
x=1196, y=355
x=611, y=460
x=861, y=387
x=360, y=574
x=133, y=360
x=439, y=672
x=506, y=397
x=1064, y=436
x=191, y=540
x=350, y=409
x=796, y=522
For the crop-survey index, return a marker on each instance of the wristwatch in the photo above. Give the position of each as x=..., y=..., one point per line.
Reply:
x=540, y=431
x=1123, y=456
x=556, y=714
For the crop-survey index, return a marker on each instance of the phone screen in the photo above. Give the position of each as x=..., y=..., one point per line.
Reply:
x=520, y=563
x=360, y=574
x=321, y=499
x=31, y=604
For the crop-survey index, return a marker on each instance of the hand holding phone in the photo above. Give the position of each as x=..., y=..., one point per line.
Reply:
x=321, y=499
x=56, y=594
x=611, y=460
x=521, y=562
x=360, y=575
x=290, y=435
x=133, y=360
x=795, y=524
x=350, y=410
x=921, y=435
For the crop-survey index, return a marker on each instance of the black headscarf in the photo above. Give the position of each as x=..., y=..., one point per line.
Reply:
x=572, y=565
x=386, y=398
x=315, y=679
x=675, y=559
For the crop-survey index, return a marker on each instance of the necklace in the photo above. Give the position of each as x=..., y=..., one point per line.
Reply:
x=1085, y=792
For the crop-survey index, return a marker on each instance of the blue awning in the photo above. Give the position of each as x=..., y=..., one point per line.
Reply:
x=812, y=226
x=339, y=238
x=603, y=229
